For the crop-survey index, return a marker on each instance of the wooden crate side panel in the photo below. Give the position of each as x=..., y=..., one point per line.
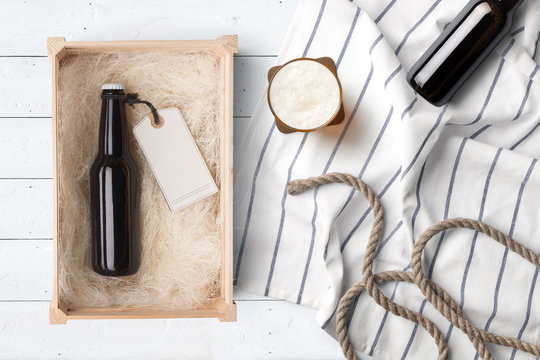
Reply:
x=216, y=309
x=55, y=49
x=229, y=46
x=101, y=46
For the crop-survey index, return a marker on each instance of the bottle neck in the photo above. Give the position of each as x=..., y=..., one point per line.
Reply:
x=113, y=132
x=510, y=5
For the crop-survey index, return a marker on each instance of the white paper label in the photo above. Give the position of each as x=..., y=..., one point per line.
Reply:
x=175, y=160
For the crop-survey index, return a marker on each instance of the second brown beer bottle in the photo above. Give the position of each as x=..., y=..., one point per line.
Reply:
x=461, y=48
x=113, y=192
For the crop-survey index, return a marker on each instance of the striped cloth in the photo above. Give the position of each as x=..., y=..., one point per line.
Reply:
x=473, y=158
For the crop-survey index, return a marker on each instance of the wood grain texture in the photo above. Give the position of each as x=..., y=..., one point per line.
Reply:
x=56, y=50
x=229, y=46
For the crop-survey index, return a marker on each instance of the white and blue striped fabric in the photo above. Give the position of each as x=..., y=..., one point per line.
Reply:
x=475, y=157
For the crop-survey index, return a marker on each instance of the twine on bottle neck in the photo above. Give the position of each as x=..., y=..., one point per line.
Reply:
x=133, y=98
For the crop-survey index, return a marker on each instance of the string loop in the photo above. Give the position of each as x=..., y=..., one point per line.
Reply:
x=133, y=98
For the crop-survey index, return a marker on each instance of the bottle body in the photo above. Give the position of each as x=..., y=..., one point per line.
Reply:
x=461, y=48
x=113, y=194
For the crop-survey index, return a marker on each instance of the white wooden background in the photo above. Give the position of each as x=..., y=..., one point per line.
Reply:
x=266, y=329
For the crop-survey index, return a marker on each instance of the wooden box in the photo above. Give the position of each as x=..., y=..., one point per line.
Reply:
x=223, y=307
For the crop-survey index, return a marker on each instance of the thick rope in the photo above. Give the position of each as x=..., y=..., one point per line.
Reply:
x=436, y=295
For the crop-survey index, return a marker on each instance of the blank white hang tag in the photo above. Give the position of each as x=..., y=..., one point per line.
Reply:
x=175, y=160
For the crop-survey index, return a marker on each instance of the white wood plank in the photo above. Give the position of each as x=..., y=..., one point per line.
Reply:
x=25, y=184
x=240, y=127
x=242, y=295
x=19, y=280
x=25, y=148
x=26, y=270
x=250, y=82
x=25, y=208
x=26, y=85
x=261, y=25
x=265, y=330
x=23, y=288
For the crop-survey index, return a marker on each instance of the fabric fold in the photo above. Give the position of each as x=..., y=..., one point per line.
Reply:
x=475, y=157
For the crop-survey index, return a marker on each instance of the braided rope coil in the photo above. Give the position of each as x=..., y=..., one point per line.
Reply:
x=436, y=295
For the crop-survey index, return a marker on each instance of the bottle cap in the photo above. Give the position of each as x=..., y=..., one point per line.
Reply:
x=113, y=86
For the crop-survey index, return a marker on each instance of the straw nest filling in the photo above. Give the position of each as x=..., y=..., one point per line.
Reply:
x=180, y=252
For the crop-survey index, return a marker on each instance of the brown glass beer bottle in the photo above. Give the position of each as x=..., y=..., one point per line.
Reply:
x=461, y=48
x=113, y=192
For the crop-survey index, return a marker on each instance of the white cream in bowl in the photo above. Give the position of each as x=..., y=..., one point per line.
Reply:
x=304, y=94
